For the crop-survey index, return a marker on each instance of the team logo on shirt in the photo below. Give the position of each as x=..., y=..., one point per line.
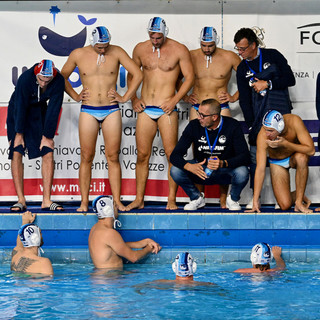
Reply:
x=222, y=139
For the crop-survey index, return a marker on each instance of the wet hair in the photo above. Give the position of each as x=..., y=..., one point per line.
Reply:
x=262, y=267
x=213, y=104
x=248, y=34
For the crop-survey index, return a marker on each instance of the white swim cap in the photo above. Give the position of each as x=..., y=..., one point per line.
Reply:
x=261, y=254
x=158, y=25
x=100, y=35
x=29, y=235
x=273, y=119
x=209, y=34
x=103, y=207
x=184, y=265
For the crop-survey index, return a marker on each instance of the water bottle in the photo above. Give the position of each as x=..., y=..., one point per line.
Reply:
x=262, y=92
x=207, y=170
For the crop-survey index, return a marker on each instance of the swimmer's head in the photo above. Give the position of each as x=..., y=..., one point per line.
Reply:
x=158, y=25
x=184, y=265
x=30, y=235
x=100, y=35
x=261, y=254
x=45, y=68
x=274, y=120
x=209, y=34
x=104, y=208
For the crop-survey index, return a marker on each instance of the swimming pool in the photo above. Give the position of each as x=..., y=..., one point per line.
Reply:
x=78, y=292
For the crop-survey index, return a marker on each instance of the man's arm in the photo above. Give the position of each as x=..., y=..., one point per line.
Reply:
x=27, y=217
x=137, y=104
x=187, y=71
x=136, y=76
x=66, y=71
x=122, y=249
x=276, y=251
x=318, y=96
x=305, y=144
x=260, y=170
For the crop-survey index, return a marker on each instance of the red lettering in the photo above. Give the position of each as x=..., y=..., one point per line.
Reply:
x=3, y=120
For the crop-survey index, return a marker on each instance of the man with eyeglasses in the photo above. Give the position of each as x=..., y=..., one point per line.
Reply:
x=220, y=146
x=263, y=78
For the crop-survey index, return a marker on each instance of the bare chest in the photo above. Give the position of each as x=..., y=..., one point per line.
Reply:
x=165, y=63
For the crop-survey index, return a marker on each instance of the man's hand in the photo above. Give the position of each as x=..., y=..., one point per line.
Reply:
x=168, y=106
x=224, y=97
x=28, y=217
x=213, y=163
x=192, y=99
x=138, y=105
x=115, y=96
x=18, y=140
x=260, y=85
x=276, y=251
x=197, y=169
x=255, y=207
x=46, y=142
x=279, y=142
x=155, y=247
x=83, y=95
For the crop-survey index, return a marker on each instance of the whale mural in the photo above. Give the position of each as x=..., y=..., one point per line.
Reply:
x=59, y=45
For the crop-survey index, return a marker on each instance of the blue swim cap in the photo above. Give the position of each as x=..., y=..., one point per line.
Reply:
x=209, y=34
x=261, y=254
x=29, y=235
x=273, y=119
x=158, y=25
x=100, y=35
x=184, y=265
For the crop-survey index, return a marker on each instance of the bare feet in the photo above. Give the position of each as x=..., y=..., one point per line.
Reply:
x=317, y=209
x=302, y=208
x=83, y=208
x=171, y=205
x=136, y=204
x=121, y=207
x=223, y=195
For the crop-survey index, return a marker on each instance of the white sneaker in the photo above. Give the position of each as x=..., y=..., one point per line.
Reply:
x=232, y=205
x=276, y=206
x=250, y=204
x=196, y=204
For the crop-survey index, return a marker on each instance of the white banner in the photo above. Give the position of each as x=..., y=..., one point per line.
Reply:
x=32, y=36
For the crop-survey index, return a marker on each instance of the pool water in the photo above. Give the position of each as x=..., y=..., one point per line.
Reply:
x=78, y=292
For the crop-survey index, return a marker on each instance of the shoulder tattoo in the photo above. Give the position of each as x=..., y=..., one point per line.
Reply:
x=22, y=265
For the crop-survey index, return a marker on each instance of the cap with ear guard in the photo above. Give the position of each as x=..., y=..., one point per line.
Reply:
x=158, y=25
x=29, y=235
x=261, y=254
x=209, y=34
x=103, y=207
x=273, y=119
x=45, y=68
x=100, y=35
x=184, y=265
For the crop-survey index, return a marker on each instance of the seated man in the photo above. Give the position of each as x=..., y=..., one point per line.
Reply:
x=261, y=256
x=106, y=245
x=288, y=144
x=25, y=256
x=220, y=146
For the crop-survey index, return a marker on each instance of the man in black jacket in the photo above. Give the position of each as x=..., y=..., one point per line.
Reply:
x=221, y=156
x=263, y=78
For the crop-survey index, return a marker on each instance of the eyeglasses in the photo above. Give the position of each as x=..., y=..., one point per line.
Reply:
x=242, y=49
x=202, y=116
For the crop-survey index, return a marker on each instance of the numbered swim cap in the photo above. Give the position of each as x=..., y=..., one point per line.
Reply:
x=273, y=119
x=103, y=207
x=209, y=34
x=100, y=35
x=261, y=254
x=29, y=235
x=184, y=265
x=158, y=25
x=45, y=68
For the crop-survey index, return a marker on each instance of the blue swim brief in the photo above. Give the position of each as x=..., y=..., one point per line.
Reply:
x=285, y=163
x=155, y=112
x=99, y=113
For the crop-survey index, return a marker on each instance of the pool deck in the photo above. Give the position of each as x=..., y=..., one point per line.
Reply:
x=213, y=233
